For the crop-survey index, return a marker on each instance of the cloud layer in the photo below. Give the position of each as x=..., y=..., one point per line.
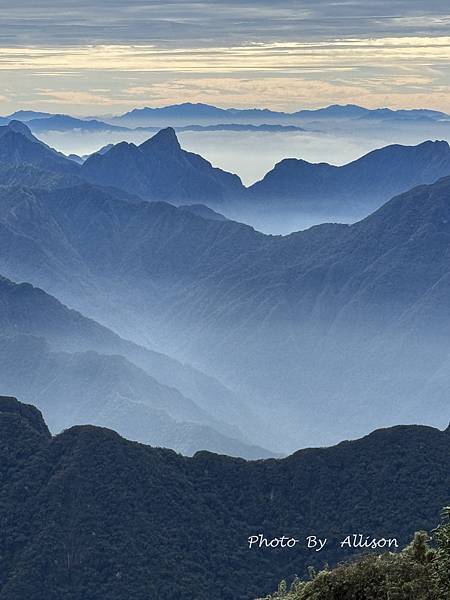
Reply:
x=85, y=56
x=218, y=22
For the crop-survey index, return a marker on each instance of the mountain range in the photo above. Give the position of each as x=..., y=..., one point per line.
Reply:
x=68, y=123
x=78, y=371
x=189, y=113
x=88, y=514
x=160, y=170
x=266, y=316
x=362, y=185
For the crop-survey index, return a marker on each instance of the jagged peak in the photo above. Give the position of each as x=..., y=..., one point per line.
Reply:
x=166, y=140
x=439, y=144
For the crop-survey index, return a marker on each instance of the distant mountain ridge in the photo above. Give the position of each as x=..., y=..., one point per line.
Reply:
x=79, y=371
x=160, y=170
x=201, y=113
x=189, y=113
x=366, y=182
x=112, y=516
x=265, y=314
x=67, y=123
x=27, y=115
x=251, y=308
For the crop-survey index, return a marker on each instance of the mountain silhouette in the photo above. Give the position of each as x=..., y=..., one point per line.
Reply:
x=112, y=516
x=68, y=123
x=267, y=314
x=19, y=147
x=197, y=114
x=159, y=170
x=27, y=115
x=326, y=188
x=79, y=371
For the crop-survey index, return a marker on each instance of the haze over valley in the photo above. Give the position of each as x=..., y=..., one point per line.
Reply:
x=230, y=339
x=224, y=300
x=335, y=135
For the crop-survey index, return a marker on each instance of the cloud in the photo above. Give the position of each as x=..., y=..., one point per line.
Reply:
x=231, y=52
x=295, y=92
x=336, y=54
x=76, y=97
x=180, y=23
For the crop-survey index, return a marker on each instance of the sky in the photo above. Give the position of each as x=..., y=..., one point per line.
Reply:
x=107, y=57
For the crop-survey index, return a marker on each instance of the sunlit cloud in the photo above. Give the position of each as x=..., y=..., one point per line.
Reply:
x=293, y=53
x=278, y=91
x=75, y=97
x=279, y=56
x=408, y=92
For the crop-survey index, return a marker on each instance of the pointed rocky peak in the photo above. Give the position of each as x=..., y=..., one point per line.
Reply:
x=27, y=412
x=164, y=141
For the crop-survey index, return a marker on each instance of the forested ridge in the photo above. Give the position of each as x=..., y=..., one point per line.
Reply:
x=90, y=515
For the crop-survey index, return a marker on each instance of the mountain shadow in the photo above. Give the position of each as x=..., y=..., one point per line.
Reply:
x=87, y=514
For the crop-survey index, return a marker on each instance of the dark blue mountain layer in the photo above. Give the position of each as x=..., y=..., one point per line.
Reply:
x=111, y=516
x=365, y=183
x=191, y=113
x=68, y=123
x=314, y=318
x=18, y=147
x=76, y=371
x=159, y=169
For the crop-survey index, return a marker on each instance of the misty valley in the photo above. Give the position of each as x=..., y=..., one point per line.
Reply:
x=184, y=339
x=195, y=331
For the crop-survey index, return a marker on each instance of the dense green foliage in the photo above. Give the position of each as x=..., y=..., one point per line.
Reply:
x=442, y=570
x=419, y=572
x=89, y=515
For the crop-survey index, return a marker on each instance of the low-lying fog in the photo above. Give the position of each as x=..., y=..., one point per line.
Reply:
x=252, y=154
x=249, y=154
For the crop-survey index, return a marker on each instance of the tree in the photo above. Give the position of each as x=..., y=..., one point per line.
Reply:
x=442, y=563
x=418, y=572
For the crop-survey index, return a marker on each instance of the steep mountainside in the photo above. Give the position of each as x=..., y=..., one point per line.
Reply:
x=268, y=315
x=80, y=375
x=159, y=169
x=115, y=518
x=19, y=147
x=109, y=391
x=365, y=183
